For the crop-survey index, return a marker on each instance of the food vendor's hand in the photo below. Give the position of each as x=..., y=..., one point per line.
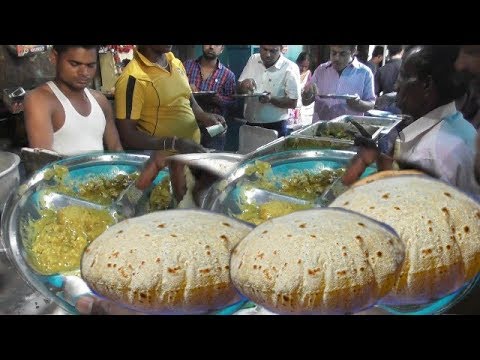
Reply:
x=248, y=86
x=265, y=99
x=354, y=103
x=358, y=164
x=154, y=165
x=91, y=305
x=186, y=146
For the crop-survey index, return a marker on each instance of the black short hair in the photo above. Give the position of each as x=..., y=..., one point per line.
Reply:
x=438, y=62
x=377, y=51
x=394, y=49
x=303, y=56
x=62, y=48
x=352, y=48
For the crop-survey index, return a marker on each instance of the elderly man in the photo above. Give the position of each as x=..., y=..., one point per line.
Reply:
x=270, y=72
x=438, y=138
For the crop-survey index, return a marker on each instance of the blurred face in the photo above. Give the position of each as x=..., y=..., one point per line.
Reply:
x=270, y=54
x=410, y=89
x=212, y=52
x=340, y=56
x=76, y=67
x=160, y=49
x=468, y=62
x=303, y=66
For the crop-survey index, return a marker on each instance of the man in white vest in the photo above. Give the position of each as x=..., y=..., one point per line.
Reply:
x=65, y=116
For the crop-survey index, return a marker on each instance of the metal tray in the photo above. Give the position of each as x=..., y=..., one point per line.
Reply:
x=312, y=130
x=388, y=123
x=224, y=196
x=249, y=95
x=24, y=203
x=300, y=142
x=63, y=288
x=337, y=96
x=203, y=93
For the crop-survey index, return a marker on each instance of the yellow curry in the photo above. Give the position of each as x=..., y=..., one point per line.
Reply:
x=57, y=239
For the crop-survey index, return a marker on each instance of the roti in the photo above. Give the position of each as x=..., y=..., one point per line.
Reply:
x=173, y=261
x=439, y=224
x=319, y=261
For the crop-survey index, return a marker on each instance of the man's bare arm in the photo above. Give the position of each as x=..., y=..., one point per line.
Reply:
x=110, y=136
x=203, y=118
x=137, y=140
x=38, y=119
x=134, y=139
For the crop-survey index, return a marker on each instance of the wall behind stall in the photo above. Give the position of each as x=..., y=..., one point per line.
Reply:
x=28, y=71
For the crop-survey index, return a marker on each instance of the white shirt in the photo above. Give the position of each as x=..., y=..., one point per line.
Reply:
x=281, y=79
x=79, y=134
x=443, y=142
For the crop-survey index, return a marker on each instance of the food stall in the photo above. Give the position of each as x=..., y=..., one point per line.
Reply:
x=281, y=177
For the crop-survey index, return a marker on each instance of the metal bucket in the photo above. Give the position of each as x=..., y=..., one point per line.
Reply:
x=9, y=176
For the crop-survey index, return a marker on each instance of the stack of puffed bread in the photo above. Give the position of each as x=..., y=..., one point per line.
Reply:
x=412, y=239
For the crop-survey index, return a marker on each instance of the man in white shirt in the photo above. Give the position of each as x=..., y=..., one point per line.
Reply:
x=438, y=139
x=279, y=78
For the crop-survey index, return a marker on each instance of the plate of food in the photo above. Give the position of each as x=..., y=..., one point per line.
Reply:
x=300, y=174
x=45, y=242
x=337, y=96
x=258, y=94
x=204, y=93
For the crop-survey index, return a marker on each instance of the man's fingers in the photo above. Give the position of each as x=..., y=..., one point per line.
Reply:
x=358, y=164
x=88, y=305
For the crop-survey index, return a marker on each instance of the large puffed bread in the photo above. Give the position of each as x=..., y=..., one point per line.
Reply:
x=174, y=261
x=321, y=261
x=439, y=224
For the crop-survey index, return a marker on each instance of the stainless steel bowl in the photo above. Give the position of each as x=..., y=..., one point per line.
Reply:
x=9, y=175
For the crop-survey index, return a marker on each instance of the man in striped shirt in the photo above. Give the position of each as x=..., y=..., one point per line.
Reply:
x=342, y=75
x=207, y=73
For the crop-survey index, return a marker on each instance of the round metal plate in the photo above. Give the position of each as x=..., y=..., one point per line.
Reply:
x=223, y=196
x=24, y=204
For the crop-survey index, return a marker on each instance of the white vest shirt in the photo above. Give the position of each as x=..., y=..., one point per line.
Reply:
x=79, y=134
x=281, y=79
